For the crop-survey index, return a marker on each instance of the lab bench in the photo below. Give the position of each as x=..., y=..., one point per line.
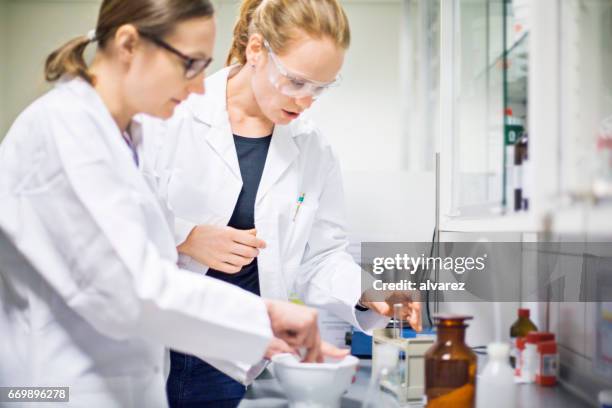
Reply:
x=267, y=393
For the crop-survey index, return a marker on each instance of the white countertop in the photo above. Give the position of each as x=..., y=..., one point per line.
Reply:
x=267, y=393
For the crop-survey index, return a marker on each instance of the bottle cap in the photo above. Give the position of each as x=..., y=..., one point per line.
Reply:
x=523, y=312
x=605, y=398
x=498, y=350
x=536, y=337
x=547, y=347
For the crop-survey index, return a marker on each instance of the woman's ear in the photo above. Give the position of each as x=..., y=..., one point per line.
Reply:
x=254, y=49
x=125, y=42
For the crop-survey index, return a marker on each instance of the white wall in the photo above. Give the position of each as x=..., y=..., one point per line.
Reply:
x=362, y=119
x=226, y=12
x=3, y=71
x=362, y=116
x=35, y=28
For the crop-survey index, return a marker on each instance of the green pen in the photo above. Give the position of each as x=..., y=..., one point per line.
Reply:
x=299, y=204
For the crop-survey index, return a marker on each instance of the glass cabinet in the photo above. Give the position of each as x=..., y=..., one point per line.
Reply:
x=585, y=164
x=485, y=144
x=525, y=114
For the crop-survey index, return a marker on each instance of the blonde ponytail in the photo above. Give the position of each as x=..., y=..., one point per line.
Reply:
x=69, y=60
x=279, y=21
x=242, y=32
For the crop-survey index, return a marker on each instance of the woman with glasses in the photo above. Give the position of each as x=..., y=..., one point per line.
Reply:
x=89, y=291
x=255, y=190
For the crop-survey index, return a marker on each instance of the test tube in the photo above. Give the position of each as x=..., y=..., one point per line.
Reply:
x=398, y=324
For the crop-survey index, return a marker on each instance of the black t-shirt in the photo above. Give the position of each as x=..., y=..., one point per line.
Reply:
x=252, y=153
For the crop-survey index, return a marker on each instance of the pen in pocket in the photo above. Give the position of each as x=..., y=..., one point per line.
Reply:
x=299, y=204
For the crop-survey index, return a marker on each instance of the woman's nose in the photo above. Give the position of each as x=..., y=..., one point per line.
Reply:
x=196, y=85
x=304, y=102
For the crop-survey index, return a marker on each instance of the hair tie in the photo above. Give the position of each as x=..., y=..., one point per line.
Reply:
x=91, y=35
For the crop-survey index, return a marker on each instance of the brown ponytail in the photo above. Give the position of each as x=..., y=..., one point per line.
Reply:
x=156, y=18
x=278, y=21
x=68, y=60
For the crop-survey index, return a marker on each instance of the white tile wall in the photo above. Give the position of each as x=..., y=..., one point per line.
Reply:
x=590, y=330
x=572, y=327
x=554, y=317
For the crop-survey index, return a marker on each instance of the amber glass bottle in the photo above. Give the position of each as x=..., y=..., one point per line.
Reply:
x=520, y=328
x=522, y=325
x=450, y=366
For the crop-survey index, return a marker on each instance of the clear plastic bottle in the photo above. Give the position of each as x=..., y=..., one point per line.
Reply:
x=384, y=370
x=605, y=399
x=496, y=387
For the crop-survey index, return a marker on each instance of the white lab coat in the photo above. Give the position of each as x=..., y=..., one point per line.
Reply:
x=195, y=167
x=104, y=295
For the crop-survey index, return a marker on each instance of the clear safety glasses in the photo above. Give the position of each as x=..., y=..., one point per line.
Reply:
x=292, y=85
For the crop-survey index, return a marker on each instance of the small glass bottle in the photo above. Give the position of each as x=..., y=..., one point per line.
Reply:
x=520, y=328
x=450, y=366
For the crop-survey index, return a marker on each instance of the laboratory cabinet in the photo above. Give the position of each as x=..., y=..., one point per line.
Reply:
x=526, y=115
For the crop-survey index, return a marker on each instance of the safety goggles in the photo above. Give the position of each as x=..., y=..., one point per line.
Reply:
x=292, y=85
x=193, y=66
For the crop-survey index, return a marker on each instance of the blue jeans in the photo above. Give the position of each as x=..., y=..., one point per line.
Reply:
x=194, y=383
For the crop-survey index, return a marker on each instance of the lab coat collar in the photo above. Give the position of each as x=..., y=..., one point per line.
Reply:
x=122, y=154
x=84, y=90
x=211, y=109
x=282, y=153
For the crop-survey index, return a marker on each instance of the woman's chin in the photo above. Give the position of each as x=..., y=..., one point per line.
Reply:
x=165, y=113
x=283, y=120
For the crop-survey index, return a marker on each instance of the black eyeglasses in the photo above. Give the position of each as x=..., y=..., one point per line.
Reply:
x=193, y=66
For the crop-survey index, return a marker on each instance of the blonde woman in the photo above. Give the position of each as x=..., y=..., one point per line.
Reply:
x=255, y=189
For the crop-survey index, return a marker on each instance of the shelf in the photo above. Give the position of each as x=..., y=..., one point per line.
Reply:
x=518, y=49
x=520, y=222
x=594, y=221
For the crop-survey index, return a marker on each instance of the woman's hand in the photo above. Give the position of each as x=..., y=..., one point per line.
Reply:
x=224, y=249
x=278, y=346
x=297, y=326
x=411, y=310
